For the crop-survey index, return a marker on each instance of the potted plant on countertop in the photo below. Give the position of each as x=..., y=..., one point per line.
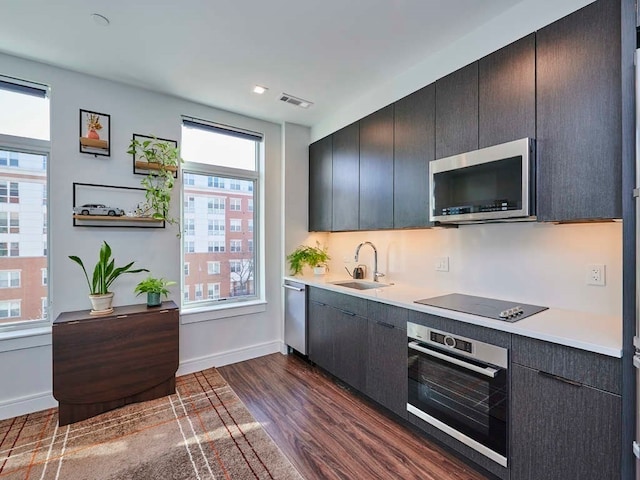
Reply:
x=154, y=288
x=316, y=257
x=161, y=158
x=104, y=274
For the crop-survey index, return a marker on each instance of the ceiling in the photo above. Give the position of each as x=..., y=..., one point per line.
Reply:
x=213, y=52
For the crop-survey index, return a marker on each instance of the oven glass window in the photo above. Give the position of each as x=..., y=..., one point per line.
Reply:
x=486, y=187
x=469, y=402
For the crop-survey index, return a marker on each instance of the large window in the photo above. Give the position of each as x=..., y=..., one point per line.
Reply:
x=24, y=147
x=223, y=164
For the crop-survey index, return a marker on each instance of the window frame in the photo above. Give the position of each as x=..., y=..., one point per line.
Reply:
x=256, y=302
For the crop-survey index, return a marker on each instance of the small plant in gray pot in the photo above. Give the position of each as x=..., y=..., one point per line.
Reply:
x=154, y=288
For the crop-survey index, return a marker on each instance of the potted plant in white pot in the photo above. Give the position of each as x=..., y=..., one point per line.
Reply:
x=104, y=274
x=154, y=288
x=316, y=257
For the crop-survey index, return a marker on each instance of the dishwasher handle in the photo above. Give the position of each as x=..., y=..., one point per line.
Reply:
x=486, y=371
x=291, y=287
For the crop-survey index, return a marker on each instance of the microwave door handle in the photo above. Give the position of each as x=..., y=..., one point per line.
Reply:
x=487, y=371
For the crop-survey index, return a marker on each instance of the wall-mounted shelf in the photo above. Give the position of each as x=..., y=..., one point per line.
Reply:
x=142, y=167
x=127, y=199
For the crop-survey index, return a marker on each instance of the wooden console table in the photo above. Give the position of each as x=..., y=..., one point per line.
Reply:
x=106, y=362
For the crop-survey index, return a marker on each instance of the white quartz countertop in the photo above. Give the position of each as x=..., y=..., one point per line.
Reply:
x=583, y=330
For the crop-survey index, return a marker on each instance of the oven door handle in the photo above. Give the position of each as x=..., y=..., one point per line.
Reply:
x=487, y=371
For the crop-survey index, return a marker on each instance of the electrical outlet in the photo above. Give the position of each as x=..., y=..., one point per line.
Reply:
x=596, y=274
x=442, y=264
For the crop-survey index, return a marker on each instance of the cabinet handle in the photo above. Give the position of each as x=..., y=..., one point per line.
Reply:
x=386, y=325
x=560, y=379
x=351, y=314
x=122, y=316
x=291, y=287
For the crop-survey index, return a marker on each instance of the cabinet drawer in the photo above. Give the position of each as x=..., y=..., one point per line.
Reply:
x=593, y=369
x=340, y=301
x=475, y=332
x=387, y=314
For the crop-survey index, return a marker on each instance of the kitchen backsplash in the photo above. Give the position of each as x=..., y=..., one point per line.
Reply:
x=536, y=263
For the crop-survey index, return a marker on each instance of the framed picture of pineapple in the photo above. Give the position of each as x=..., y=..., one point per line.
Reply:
x=95, y=133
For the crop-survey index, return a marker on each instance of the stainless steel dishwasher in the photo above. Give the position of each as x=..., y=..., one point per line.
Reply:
x=295, y=316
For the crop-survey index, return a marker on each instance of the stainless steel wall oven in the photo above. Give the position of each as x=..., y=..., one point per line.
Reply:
x=459, y=386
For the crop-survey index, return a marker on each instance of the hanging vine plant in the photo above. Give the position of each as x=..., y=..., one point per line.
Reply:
x=159, y=182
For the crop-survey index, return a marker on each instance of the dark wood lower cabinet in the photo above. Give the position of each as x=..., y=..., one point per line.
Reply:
x=562, y=430
x=350, y=349
x=320, y=335
x=102, y=363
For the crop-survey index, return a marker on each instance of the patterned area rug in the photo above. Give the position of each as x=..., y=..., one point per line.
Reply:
x=202, y=432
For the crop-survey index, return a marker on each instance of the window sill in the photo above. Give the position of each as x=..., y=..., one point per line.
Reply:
x=25, y=338
x=203, y=314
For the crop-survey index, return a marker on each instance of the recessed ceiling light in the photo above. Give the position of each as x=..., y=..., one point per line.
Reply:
x=100, y=19
x=259, y=89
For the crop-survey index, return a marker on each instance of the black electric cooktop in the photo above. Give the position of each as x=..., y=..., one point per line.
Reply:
x=484, y=307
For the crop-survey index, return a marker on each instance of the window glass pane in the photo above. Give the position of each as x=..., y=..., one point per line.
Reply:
x=24, y=116
x=202, y=146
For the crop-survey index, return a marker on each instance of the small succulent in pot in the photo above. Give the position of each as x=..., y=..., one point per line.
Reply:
x=154, y=288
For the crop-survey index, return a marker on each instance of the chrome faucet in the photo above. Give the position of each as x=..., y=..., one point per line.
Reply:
x=376, y=273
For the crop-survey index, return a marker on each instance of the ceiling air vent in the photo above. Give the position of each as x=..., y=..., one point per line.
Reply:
x=298, y=102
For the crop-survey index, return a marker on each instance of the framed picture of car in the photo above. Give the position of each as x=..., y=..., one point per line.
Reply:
x=95, y=133
x=111, y=206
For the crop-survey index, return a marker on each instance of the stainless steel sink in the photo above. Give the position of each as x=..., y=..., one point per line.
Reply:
x=360, y=284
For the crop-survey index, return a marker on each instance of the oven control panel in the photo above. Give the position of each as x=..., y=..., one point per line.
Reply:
x=451, y=342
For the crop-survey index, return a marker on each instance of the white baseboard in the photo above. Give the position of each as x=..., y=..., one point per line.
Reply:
x=22, y=405
x=229, y=357
x=41, y=401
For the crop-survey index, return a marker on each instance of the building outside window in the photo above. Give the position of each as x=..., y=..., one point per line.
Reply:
x=186, y=269
x=213, y=268
x=185, y=295
x=250, y=225
x=189, y=226
x=250, y=205
x=190, y=204
x=189, y=247
x=224, y=163
x=24, y=148
x=9, y=279
x=188, y=179
x=198, y=294
x=235, y=225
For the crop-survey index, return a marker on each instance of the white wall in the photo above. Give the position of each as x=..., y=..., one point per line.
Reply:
x=522, y=19
x=534, y=263
x=134, y=110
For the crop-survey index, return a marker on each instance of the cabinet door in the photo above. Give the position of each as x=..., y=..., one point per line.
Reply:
x=320, y=185
x=320, y=328
x=457, y=112
x=386, y=380
x=376, y=170
x=346, y=181
x=507, y=93
x=579, y=115
x=414, y=148
x=349, y=349
x=562, y=431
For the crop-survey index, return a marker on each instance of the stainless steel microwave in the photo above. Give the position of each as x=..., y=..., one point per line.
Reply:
x=487, y=185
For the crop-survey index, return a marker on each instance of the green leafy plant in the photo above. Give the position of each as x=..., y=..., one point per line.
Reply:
x=164, y=159
x=306, y=255
x=154, y=285
x=105, y=272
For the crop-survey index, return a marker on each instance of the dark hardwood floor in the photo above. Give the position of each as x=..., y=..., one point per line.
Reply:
x=328, y=432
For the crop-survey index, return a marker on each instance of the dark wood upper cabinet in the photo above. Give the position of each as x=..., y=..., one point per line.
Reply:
x=320, y=185
x=414, y=148
x=457, y=112
x=579, y=115
x=346, y=182
x=376, y=170
x=507, y=93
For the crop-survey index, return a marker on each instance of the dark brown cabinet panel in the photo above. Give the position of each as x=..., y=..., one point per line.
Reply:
x=321, y=323
x=102, y=363
x=386, y=375
x=320, y=185
x=414, y=148
x=350, y=349
x=457, y=112
x=346, y=182
x=507, y=93
x=376, y=170
x=579, y=117
x=562, y=430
